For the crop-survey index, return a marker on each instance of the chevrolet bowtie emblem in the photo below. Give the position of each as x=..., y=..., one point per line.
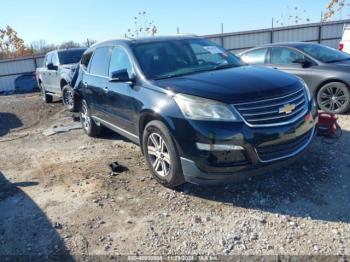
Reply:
x=287, y=109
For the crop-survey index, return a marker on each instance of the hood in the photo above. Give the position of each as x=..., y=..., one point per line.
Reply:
x=234, y=85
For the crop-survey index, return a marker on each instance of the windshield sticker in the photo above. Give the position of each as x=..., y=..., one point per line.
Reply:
x=213, y=49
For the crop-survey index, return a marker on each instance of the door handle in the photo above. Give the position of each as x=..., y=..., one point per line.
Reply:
x=106, y=89
x=85, y=84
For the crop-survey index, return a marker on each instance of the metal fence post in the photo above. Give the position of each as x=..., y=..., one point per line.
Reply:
x=35, y=62
x=271, y=33
x=319, y=34
x=222, y=35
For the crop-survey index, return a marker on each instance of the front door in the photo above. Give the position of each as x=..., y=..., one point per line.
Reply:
x=283, y=58
x=55, y=78
x=121, y=103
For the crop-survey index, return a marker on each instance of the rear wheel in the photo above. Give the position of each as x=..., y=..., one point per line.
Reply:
x=161, y=155
x=334, y=98
x=88, y=124
x=69, y=98
x=46, y=98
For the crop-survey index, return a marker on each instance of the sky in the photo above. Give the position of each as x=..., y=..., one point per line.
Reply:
x=63, y=20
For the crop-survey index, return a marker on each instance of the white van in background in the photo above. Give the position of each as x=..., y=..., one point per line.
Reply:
x=344, y=44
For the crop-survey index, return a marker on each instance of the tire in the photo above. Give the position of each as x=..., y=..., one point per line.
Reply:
x=89, y=126
x=163, y=161
x=46, y=98
x=334, y=98
x=70, y=99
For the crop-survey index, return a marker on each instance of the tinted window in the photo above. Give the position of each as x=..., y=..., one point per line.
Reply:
x=99, y=62
x=85, y=60
x=119, y=61
x=48, y=59
x=324, y=54
x=281, y=55
x=255, y=57
x=55, y=59
x=70, y=56
x=165, y=59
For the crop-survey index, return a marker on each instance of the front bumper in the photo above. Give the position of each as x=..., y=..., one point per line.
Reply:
x=194, y=175
x=264, y=148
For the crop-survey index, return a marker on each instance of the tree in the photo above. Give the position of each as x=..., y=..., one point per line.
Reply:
x=89, y=42
x=293, y=17
x=142, y=26
x=69, y=44
x=42, y=47
x=11, y=45
x=333, y=7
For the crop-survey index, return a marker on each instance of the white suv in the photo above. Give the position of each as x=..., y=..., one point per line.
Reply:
x=344, y=44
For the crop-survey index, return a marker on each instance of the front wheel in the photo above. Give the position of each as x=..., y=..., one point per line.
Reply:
x=69, y=98
x=88, y=124
x=161, y=155
x=334, y=98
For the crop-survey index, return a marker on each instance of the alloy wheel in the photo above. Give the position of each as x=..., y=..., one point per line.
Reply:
x=85, y=117
x=159, y=154
x=68, y=98
x=333, y=98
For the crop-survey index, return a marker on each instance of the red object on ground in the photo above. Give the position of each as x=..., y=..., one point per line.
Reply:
x=341, y=46
x=327, y=125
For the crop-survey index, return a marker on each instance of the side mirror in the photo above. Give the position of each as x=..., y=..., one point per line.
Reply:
x=302, y=61
x=51, y=66
x=121, y=76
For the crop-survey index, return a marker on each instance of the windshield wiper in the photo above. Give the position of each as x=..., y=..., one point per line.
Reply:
x=180, y=74
x=218, y=67
x=224, y=66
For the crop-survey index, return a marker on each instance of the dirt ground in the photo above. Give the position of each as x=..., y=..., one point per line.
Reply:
x=57, y=196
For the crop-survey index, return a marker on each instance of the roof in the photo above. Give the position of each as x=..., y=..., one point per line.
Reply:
x=71, y=49
x=67, y=49
x=148, y=39
x=291, y=44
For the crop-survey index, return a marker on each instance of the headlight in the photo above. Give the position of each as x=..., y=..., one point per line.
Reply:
x=307, y=90
x=197, y=108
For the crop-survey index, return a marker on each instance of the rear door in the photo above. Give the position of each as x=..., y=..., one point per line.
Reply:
x=96, y=82
x=283, y=58
x=120, y=97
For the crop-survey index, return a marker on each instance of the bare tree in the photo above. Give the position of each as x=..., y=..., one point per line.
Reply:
x=294, y=16
x=89, y=42
x=142, y=26
x=42, y=47
x=69, y=44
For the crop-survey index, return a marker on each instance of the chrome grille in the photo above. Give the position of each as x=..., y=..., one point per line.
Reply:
x=274, y=111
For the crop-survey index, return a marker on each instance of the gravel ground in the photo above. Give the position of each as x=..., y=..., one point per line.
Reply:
x=57, y=196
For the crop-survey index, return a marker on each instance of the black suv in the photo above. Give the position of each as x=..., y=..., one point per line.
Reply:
x=199, y=114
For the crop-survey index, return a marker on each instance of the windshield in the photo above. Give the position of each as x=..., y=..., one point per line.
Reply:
x=70, y=56
x=165, y=59
x=324, y=54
